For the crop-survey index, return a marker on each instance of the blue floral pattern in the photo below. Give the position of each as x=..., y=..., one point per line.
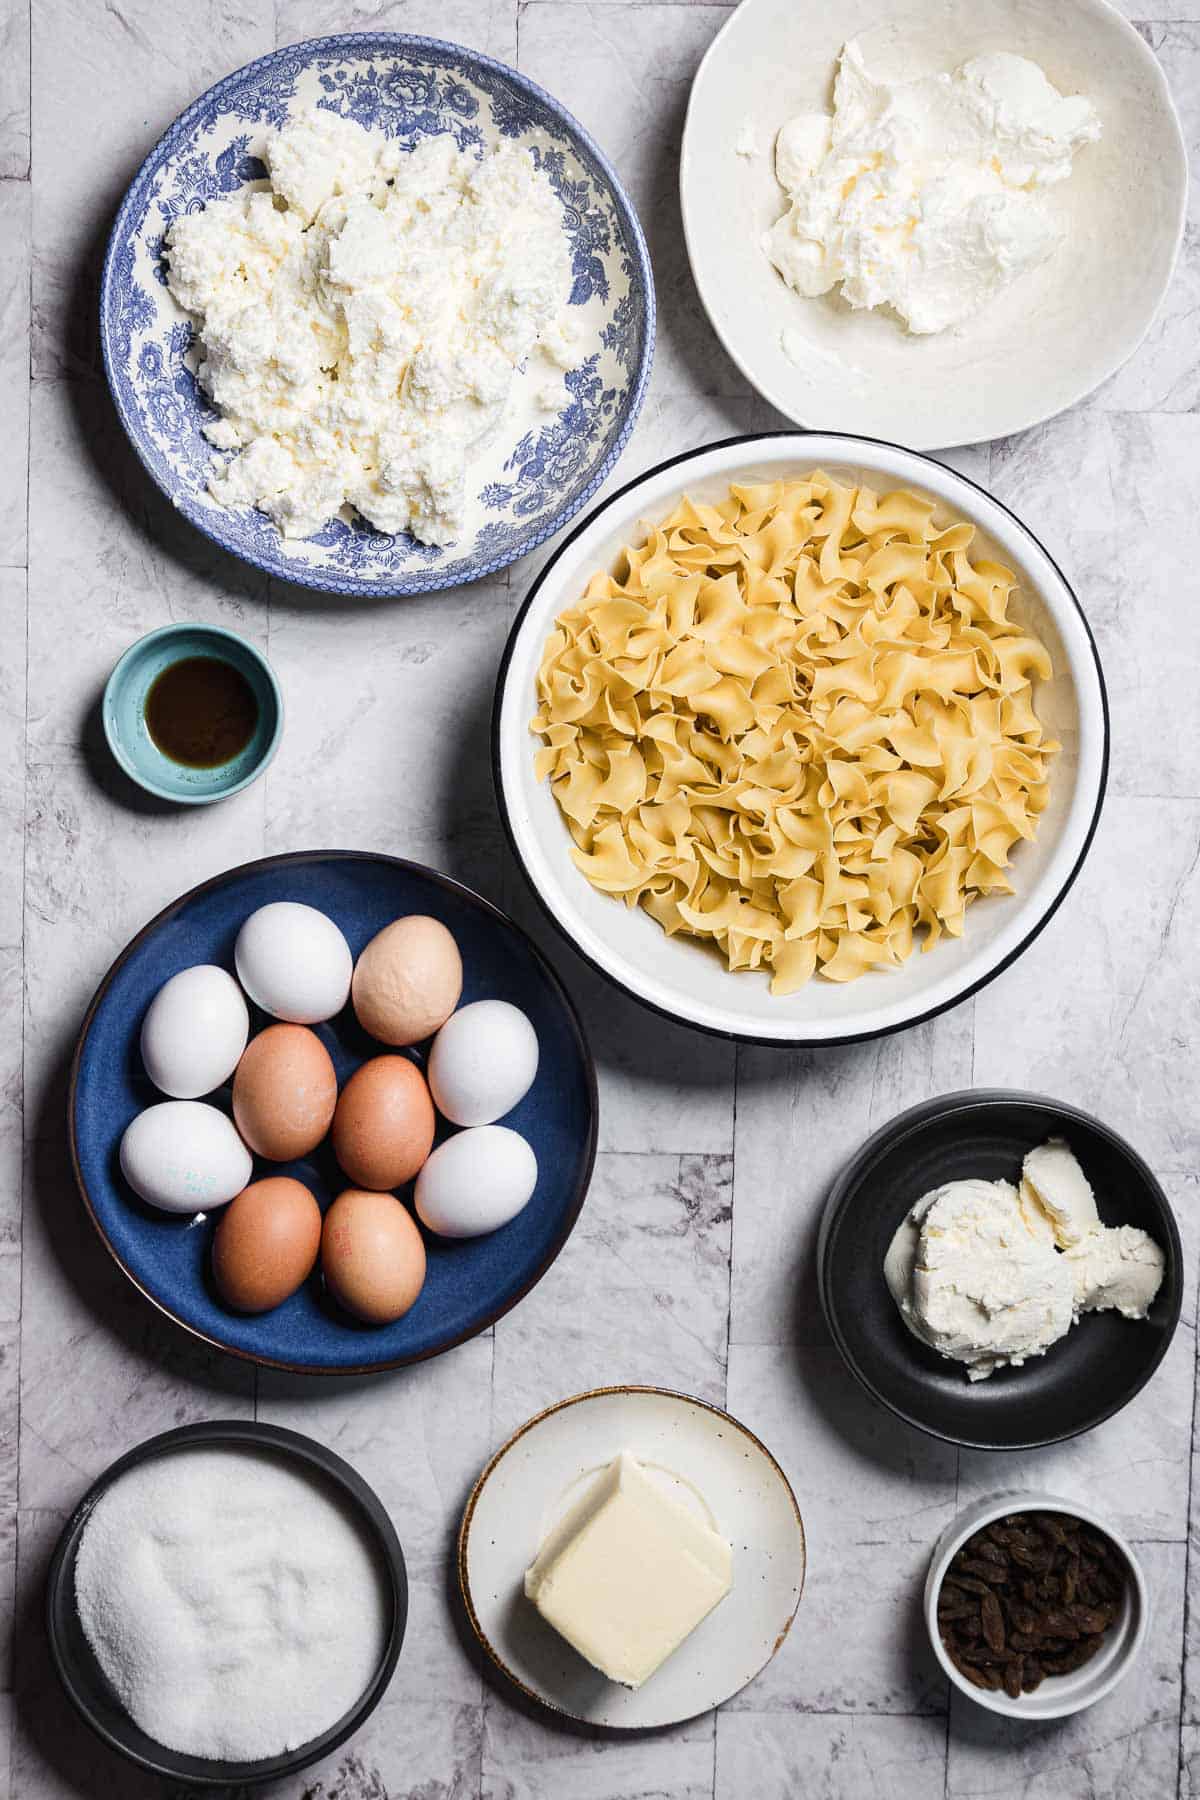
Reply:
x=409, y=88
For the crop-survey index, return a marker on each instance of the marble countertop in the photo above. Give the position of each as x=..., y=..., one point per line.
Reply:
x=692, y=1263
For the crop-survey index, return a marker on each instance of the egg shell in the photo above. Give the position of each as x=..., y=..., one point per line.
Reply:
x=294, y=962
x=407, y=981
x=384, y=1122
x=372, y=1255
x=284, y=1092
x=194, y=1031
x=266, y=1244
x=482, y=1062
x=476, y=1181
x=184, y=1157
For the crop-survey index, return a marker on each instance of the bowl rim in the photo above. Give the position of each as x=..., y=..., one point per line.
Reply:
x=128, y=657
x=905, y=1125
x=799, y=1040
x=293, y=1446
x=463, y=1544
x=983, y=1512
x=359, y=44
x=290, y=859
x=781, y=401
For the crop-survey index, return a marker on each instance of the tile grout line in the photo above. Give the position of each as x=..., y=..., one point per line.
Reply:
x=22, y=1149
x=256, y=1394
x=737, y=1063
x=819, y=1712
x=485, y=1690
x=1187, y=1560
x=483, y=1685
x=958, y=1447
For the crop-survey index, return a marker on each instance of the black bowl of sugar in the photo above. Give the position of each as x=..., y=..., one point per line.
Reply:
x=226, y=1604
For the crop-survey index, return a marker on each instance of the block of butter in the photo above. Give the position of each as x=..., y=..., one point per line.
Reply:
x=628, y=1572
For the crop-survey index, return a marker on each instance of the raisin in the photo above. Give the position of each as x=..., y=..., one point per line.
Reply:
x=1089, y=1620
x=1070, y=1581
x=970, y=1585
x=982, y=1571
x=954, y=1608
x=1059, y=1624
x=992, y=1620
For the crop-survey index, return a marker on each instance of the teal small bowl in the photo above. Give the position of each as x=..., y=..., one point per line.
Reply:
x=124, y=711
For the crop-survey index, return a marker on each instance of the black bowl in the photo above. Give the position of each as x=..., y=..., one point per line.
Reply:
x=1085, y=1378
x=88, y=1688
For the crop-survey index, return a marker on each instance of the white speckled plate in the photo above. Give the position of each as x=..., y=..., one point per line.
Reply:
x=1052, y=337
x=708, y=1461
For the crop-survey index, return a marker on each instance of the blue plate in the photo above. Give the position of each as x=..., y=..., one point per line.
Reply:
x=409, y=88
x=469, y=1284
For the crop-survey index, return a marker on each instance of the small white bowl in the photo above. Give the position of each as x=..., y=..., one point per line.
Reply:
x=1040, y=346
x=685, y=979
x=1059, y=1695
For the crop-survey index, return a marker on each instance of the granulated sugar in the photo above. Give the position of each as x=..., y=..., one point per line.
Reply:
x=233, y=1604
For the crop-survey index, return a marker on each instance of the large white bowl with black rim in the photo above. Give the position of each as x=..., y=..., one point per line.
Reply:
x=686, y=979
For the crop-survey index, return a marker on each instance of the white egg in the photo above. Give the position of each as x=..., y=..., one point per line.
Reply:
x=483, y=1060
x=194, y=1032
x=475, y=1182
x=294, y=962
x=184, y=1157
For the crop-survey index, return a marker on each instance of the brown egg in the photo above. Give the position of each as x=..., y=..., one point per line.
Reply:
x=383, y=1126
x=372, y=1255
x=284, y=1092
x=266, y=1243
x=407, y=981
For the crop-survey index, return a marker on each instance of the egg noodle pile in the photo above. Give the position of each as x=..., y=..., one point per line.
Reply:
x=799, y=723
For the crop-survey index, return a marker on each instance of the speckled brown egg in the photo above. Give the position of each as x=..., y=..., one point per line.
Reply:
x=284, y=1092
x=407, y=981
x=266, y=1243
x=383, y=1126
x=372, y=1256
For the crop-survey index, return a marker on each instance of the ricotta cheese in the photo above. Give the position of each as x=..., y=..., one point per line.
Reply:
x=924, y=195
x=362, y=323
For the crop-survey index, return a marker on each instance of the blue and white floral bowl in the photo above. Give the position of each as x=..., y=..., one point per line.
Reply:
x=409, y=87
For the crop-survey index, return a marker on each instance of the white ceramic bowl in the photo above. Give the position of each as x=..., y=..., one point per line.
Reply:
x=684, y=978
x=708, y=1463
x=1059, y=1695
x=1052, y=337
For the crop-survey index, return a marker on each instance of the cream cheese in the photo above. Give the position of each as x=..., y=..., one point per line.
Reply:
x=982, y=1289
x=925, y=195
x=363, y=323
x=1118, y=1268
x=1052, y=1180
x=990, y=1274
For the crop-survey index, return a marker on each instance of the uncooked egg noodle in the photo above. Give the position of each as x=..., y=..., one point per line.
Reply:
x=800, y=723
